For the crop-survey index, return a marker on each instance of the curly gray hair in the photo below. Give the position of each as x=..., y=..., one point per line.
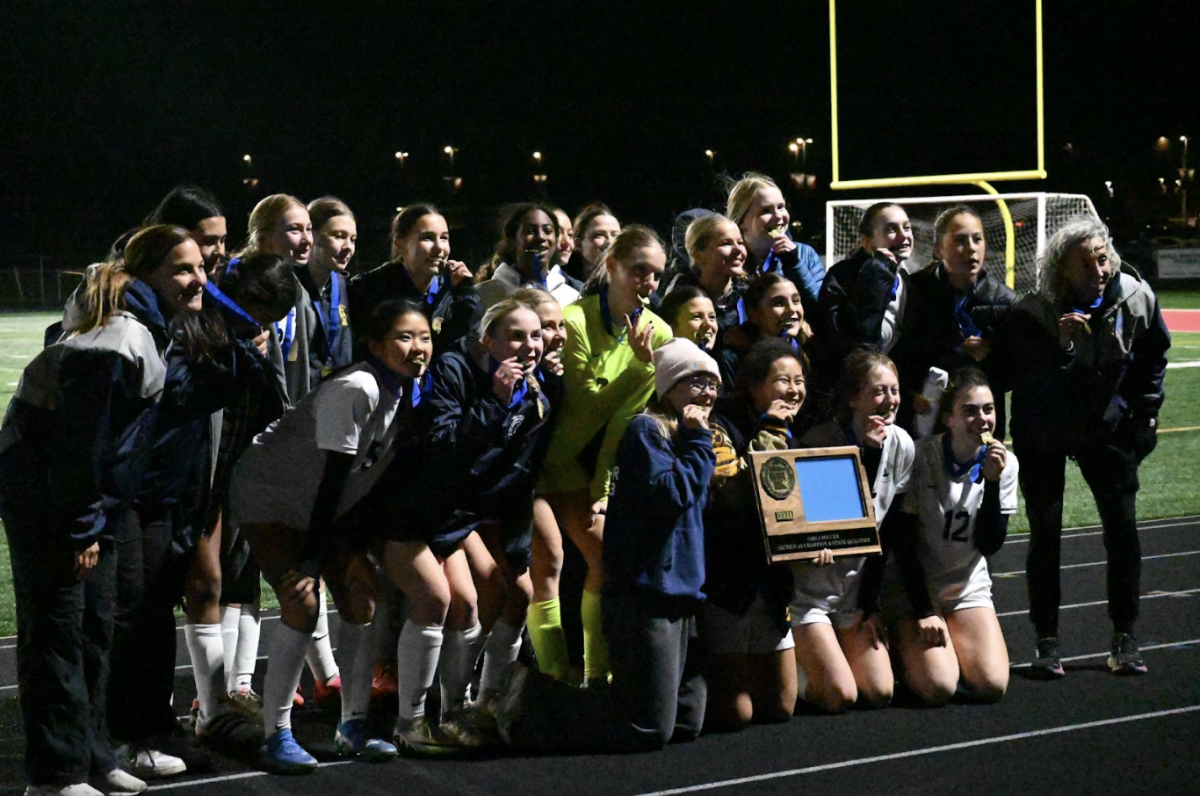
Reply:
x=1051, y=280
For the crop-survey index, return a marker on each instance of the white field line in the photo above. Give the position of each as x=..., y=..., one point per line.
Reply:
x=929, y=750
x=1019, y=572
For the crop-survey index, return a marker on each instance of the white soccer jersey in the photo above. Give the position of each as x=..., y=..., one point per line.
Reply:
x=277, y=477
x=835, y=587
x=947, y=507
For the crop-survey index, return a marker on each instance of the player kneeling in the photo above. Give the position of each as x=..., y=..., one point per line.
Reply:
x=954, y=514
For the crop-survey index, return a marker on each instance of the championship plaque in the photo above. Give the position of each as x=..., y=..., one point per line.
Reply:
x=814, y=498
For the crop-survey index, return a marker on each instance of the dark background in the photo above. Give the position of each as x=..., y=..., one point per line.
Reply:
x=105, y=106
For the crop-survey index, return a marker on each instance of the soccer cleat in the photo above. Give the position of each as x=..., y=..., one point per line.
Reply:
x=280, y=754
x=418, y=737
x=229, y=729
x=352, y=740
x=148, y=763
x=384, y=684
x=246, y=700
x=507, y=706
x=1047, y=666
x=328, y=695
x=1125, y=657
x=471, y=728
x=122, y=782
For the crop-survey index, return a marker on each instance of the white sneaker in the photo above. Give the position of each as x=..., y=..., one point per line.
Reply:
x=148, y=763
x=119, y=781
x=78, y=789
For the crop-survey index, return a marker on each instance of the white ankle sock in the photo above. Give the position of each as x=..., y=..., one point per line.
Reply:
x=320, y=651
x=246, y=655
x=358, y=651
x=460, y=651
x=286, y=660
x=417, y=655
x=230, y=617
x=205, y=648
x=500, y=652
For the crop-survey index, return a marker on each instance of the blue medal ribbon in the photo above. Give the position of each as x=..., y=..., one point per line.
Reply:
x=955, y=470
x=966, y=324
x=1095, y=305
x=333, y=326
x=285, y=330
x=435, y=287
x=229, y=304
x=519, y=390
x=539, y=276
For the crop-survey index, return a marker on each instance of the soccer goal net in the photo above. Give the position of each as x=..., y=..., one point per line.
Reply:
x=1016, y=226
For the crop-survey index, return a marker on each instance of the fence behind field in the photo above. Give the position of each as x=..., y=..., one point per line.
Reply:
x=36, y=282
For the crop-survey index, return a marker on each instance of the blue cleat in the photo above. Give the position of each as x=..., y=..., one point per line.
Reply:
x=280, y=754
x=351, y=740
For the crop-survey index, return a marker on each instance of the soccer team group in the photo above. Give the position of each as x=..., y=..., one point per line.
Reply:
x=421, y=442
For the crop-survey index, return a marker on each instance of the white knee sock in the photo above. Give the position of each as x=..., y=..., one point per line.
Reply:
x=500, y=652
x=358, y=651
x=417, y=655
x=460, y=651
x=320, y=651
x=230, y=617
x=286, y=661
x=205, y=648
x=246, y=656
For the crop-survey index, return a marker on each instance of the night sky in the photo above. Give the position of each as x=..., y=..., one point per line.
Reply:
x=107, y=105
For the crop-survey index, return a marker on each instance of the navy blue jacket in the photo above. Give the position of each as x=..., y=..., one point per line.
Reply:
x=654, y=529
x=452, y=311
x=76, y=441
x=804, y=267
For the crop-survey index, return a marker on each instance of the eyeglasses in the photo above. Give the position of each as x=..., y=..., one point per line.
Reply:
x=700, y=384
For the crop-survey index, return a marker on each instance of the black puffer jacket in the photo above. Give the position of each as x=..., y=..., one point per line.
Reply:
x=1111, y=379
x=931, y=335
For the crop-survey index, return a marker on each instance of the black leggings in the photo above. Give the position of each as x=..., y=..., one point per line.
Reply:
x=1111, y=473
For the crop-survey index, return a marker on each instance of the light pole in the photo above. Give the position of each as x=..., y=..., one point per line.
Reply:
x=250, y=181
x=1183, y=185
x=708, y=153
x=803, y=144
x=449, y=150
x=401, y=157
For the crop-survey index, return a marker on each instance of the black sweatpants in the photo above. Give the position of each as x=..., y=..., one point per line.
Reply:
x=657, y=693
x=149, y=586
x=64, y=634
x=1111, y=473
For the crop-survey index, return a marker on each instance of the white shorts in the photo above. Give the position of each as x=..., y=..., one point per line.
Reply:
x=756, y=632
x=950, y=592
x=826, y=595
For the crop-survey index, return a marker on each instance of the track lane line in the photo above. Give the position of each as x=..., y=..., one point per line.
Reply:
x=1017, y=572
x=1020, y=736
x=1155, y=595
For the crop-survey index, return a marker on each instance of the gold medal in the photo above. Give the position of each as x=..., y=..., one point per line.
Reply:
x=437, y=325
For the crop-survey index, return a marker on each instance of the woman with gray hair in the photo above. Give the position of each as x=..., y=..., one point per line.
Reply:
x=1085, y=354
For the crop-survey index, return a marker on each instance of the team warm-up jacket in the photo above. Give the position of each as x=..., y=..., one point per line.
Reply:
x=803, y=266
x=736, y=558
x=452, y=311
x=654, y=529
x=322, y=340
x=475, y=457
x=935, y=326
x=1111, y=379
x=851, y=308
x=76, y=440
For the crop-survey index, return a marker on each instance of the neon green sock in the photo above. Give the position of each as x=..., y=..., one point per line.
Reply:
x=549, y=640
x=595, y=646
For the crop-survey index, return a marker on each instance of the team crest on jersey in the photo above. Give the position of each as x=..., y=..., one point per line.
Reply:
x=437, y=325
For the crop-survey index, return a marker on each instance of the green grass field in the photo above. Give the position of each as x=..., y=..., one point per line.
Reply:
x=1164, y=493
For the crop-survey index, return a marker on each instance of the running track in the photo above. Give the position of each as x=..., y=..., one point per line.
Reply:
x=1089, y=733
x=1182, y=320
